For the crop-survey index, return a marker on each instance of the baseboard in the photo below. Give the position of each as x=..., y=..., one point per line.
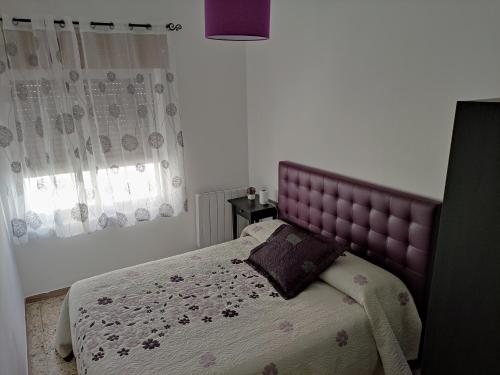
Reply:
x=47, y=295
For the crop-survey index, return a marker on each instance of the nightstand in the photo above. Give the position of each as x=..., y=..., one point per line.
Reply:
x=253, y=211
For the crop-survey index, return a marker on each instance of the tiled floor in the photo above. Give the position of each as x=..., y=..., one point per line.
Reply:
x=41, y=321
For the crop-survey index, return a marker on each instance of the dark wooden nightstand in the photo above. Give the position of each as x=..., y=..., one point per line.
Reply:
x=253, y=211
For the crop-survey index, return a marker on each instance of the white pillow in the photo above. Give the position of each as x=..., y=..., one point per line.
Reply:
x=378, y=290
x=261, y=231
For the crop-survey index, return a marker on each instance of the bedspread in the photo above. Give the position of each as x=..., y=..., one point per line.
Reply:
x=207, y=312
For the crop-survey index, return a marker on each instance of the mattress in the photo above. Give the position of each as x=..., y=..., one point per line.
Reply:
x=208, y=312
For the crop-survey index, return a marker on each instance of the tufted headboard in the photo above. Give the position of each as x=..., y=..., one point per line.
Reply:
x=389, y=228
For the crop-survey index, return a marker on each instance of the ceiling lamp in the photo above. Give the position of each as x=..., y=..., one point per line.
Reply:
x=237, y=19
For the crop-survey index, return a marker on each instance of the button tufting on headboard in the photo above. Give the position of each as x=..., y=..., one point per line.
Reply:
x=390, y=228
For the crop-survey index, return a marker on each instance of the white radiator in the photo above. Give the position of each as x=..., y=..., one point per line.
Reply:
x=214, y=222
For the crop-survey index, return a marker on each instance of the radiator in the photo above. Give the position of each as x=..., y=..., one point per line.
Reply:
x=214, y=222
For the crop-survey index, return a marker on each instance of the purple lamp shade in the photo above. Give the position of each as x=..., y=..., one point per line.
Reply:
x=237, y=19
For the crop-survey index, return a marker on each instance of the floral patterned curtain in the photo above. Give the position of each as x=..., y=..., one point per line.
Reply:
x=90, y=134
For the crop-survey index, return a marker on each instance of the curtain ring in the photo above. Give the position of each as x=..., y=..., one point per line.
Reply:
x=92, y=25
x=111, y=26
x=148, y=27
x=62, y=24
x=15, y=22
x=130, y=26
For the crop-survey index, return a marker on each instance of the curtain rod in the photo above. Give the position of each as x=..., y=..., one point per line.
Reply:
x=170, y=26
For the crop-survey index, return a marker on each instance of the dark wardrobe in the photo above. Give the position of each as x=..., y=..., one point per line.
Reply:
x=462, y=330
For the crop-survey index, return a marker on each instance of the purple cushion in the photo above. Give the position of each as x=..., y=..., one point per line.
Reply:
x=292, y=258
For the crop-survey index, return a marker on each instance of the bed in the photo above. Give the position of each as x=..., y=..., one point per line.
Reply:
x=208, y=312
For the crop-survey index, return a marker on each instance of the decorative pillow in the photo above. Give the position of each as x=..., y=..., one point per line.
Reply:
x=292, y=258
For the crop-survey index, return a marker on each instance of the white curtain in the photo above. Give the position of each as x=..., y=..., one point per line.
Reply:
x=90, y=134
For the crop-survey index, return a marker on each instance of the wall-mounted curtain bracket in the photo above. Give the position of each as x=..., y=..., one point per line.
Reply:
x=174, y=27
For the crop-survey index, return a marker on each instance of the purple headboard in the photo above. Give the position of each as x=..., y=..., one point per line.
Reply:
x=389, y=228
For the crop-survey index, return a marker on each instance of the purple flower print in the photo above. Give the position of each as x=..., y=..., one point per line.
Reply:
x=73, y=75
x=228, y=313
x=171, y=109
x=150, y=344
x=236, y=261
x=274, y=295
x=286, y=326
x=111, y=76
x=184, y=320
x=97, y=356
x=113, y=345
x=270, y=369
x=403, y=298
x=308, y=266
x=104, y=301
x=207, y=319
x=341, y=338
x=349, y=300
x=207, y=360
x=133, y=342
x=113, y=337
x=360, y=279
x=253, y=295
x=176, y=278
x=123, y=351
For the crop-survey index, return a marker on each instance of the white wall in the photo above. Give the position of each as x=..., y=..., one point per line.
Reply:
x=368, y=88
x=363, y=88
x=13, y=359
x=211, y=79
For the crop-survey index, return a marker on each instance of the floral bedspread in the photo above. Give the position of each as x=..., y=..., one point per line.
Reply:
x=208, y=312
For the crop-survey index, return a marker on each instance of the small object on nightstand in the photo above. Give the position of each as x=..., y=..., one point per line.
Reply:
x=251, y=193
x=263, y=196
x=251, y=210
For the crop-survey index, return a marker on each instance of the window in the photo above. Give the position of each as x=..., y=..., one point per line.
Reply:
x=92, y=136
